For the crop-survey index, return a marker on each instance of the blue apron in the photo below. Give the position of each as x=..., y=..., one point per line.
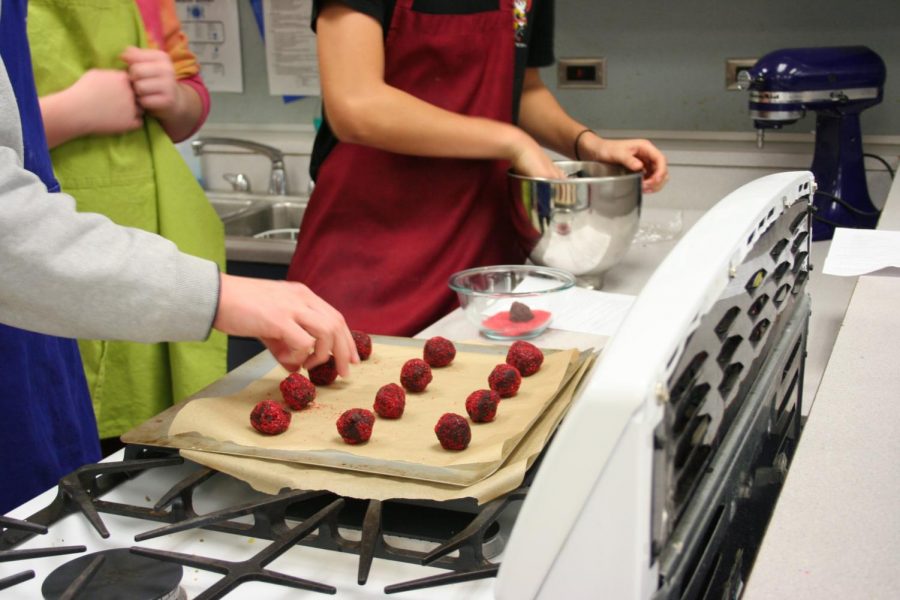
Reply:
x=47, y=426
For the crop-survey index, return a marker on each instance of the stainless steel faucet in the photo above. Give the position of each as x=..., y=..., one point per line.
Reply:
x=277, y=178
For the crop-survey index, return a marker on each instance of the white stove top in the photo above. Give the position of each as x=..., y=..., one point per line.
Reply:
x=323, y=566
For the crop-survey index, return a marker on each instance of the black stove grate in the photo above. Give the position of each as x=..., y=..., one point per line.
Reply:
x=10, y=526
x=270, y=517
x=15, y=579
x=252, y=569
x=461, y=533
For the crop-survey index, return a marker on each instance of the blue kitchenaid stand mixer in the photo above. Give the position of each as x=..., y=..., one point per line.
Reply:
x=838, y=83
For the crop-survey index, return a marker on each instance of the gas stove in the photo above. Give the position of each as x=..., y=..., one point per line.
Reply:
x=212, y=535
x=657, y=484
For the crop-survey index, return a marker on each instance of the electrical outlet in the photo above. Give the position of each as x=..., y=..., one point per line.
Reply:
x=733, y=67
x=581, y=73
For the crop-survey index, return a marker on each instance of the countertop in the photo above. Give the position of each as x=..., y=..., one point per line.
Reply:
x=834, y=533
x=830, y=296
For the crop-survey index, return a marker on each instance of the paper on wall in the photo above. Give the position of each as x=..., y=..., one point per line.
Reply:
x=291, y=58
x=214, y=34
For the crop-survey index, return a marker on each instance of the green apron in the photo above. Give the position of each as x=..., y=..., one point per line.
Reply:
x=137, y=179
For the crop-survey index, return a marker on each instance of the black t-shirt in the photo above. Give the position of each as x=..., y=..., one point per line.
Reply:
x=534, y=48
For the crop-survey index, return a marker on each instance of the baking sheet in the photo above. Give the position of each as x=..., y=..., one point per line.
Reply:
x=271, y=477
x=405, y=448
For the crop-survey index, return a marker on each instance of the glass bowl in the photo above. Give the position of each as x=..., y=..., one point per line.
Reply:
x=510, y=302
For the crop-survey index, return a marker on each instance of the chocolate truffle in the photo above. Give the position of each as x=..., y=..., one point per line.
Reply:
x=439, y=352
x=270, y=418
x=390, y=400
x=324, y=374
x=363, y=344
x=298, y=391
x=526, y=357
x=505, y=380
x=520, y=313
x=453, y=432
x=355, y=425
x=482, y=405
x=415, y=375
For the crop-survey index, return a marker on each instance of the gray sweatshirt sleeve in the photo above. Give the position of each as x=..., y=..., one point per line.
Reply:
x=79, y=274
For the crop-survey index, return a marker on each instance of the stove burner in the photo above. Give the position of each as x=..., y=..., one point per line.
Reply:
x=112, y=574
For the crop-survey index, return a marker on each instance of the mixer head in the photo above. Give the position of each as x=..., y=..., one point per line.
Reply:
x=837, y=84
x=784, y=84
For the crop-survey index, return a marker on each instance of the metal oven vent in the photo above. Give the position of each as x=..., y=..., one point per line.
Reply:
x=721, y=359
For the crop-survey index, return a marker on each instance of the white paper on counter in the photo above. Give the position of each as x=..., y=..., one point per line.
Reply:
x=214, y=35
x=863, y=252
x=291, y=58
x=581, y=310
x=591, y=311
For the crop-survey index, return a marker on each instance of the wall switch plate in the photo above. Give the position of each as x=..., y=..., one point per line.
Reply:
x=581, y=73
x=733, y=66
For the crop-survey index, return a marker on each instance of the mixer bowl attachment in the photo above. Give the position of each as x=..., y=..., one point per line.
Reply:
x=586, y=221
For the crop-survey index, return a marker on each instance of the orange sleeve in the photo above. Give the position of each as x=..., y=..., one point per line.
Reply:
x=187, y=67
x=176, y=42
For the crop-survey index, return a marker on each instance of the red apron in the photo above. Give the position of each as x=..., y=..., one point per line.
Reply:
x=383, y=231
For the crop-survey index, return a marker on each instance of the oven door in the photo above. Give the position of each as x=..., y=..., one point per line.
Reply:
x=698, y=390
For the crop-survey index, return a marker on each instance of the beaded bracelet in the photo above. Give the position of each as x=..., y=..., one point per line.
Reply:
x=578, y=137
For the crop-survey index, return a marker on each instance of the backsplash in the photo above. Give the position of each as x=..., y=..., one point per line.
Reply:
x=665, y=62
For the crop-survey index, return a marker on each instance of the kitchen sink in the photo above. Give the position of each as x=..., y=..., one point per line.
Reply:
x=227, y=208
x=259, y=228
x=266, y=219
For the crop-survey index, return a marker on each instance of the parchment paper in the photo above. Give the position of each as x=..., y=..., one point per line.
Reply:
x=405, y=447
x=271, y=477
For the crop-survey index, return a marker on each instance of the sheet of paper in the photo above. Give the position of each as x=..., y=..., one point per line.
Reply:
x=291, y=58
x=863, y=252
x=581, y=310
x=215, y=37
x=591, y=311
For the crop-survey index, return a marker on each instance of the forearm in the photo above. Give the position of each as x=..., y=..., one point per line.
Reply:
x=80, y=275
x=61, y=124
x=544, y=119
x=389, y=119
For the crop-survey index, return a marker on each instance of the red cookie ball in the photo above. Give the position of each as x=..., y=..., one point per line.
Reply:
x=453, y=432
x=390, y=401
x=415, y=375
x=270, y=418
x=482, y=405
x=526, y=357
x=505, y=380
x=325, y=373
x=439, y=352
x=355, y=425
x=298, y=391
x=363, y=344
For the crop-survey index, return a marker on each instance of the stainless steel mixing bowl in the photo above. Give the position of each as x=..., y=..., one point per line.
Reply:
x=586, y=221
